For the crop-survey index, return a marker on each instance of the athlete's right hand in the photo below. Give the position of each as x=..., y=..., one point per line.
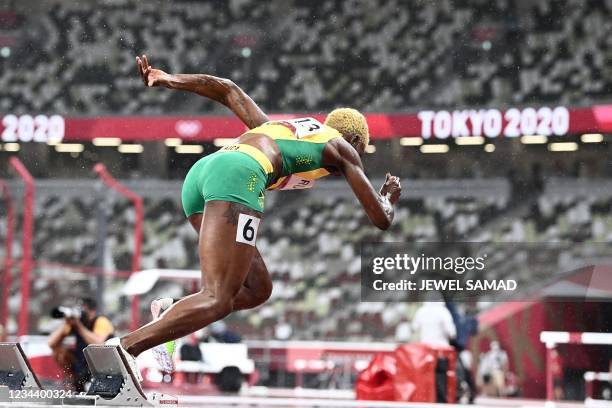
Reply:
x=391, y=188
x=150, y=76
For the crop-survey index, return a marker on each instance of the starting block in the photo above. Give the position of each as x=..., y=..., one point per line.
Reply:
x=16, y=375
x=112, y=381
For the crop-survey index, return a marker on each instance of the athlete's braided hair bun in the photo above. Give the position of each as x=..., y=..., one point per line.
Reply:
x=349, y=122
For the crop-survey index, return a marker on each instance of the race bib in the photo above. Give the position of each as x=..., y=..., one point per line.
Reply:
x=296, y=183
x=247, y=229
x=306, y=126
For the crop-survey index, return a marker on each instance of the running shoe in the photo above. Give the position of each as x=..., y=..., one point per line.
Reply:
x=131, y=360
x=164, y=353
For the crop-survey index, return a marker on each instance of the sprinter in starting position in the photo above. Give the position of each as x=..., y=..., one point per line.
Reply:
x=223, y=199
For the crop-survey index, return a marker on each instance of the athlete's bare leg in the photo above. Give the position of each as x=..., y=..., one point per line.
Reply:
x=225, y=265
x=257, y=287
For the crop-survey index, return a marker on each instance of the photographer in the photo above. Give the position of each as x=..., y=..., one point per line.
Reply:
x=88, y=328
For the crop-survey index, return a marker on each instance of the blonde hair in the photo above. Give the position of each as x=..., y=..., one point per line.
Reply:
x=349, y=122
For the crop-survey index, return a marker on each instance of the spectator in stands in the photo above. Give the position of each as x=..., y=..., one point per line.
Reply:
x=467, y=326
x=403, y=332
x=377, y=46
x=283, y=330
x=433, y=323
x=89, y=328
x=190, y=350
x=492, y=370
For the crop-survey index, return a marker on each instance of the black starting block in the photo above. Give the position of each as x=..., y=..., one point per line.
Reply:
x=112, y=381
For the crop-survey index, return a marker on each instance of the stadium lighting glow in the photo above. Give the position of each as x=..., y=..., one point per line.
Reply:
x=563, y=147
x=223, y=141
x=534, y=139
x=189, y=149
x=106, y=141
x=69, y=148
x=53, y=141
x=469, y=140
x=411, y=141
x=370, y=149
x=489, y=148
x=591, y=138
x=173, y=142
x=130, y=148
x=434, y=148
x=12, y=147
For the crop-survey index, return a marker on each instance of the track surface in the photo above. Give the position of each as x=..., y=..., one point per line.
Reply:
x=271, y=402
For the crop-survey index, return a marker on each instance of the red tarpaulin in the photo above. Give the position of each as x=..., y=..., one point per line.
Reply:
x=408, y=375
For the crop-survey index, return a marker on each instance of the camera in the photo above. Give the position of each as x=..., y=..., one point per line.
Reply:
x=65, y=312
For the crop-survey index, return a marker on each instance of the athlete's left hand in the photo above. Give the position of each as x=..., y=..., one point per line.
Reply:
x=391, y=187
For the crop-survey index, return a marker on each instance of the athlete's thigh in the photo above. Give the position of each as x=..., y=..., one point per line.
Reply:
x=258, y=278
x=196, y=221
x=227, y=245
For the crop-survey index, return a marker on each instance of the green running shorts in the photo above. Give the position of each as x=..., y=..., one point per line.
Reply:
x=224, y=176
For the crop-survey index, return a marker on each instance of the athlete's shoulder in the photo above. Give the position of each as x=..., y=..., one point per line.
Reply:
x=338, y=152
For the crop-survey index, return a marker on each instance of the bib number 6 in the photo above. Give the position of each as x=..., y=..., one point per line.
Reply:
x=247, y=229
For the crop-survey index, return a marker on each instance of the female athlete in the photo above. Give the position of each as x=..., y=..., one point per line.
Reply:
x=223, y=199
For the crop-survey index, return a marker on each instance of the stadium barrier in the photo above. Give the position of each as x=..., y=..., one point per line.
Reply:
x=27, y=262
x=136, y=200
x=8, y=253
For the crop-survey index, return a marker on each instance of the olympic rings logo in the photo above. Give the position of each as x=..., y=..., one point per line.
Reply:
x=188, y=128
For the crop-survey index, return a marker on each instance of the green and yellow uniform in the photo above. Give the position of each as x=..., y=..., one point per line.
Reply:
x=241, y=173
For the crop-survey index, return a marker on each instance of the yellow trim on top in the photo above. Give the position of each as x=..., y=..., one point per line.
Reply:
x=322, y=137
x=274, y=130
x=254, y=152
x=281, y=132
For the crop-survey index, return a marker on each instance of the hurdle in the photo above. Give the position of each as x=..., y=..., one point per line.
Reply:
x=551, y=339
x=589, y=378
x=113, y=384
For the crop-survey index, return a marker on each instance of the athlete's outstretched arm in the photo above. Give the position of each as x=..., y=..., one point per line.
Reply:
x=218, y=89
x=377, y=205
